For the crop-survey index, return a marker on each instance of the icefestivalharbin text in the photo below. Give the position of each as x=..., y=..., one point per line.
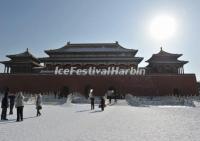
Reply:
x=96, y=71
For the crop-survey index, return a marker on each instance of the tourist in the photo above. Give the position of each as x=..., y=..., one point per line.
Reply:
x=19, y=105
x=39, y=104
x=109, y=95
x=115, y=97
x=102, y=103
x=4, y=105
x=12, y=103
x=91, y=96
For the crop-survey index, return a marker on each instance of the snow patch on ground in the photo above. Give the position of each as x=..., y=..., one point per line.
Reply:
x=119, y=122
x=164, y=100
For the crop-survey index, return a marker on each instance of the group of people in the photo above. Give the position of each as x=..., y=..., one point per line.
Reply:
x=102, y=101
x=9, y=100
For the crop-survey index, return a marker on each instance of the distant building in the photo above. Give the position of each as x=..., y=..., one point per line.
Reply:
x=21, y=63
x=165, y=63
x=164, y=73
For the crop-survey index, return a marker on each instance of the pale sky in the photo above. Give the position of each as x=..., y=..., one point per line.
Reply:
x=48, y=24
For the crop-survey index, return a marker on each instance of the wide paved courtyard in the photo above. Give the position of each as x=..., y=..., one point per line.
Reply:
x=121, y=122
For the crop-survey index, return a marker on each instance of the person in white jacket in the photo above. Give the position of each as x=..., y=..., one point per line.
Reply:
x=19, y=104
x=38, y=104
x=91, y=96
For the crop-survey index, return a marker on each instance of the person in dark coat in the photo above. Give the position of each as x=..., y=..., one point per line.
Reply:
x=92, y=103
x=115, y=97
x=4, y=105
x=102, y=103
x=91, y=96
x=109, y=95
x=38, y=104
x=12, y=103
x=110, y=99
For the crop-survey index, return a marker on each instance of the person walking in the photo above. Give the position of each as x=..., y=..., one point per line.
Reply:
x=39, y=104
x=91, y=99
x=12, y=103
x=115, y=97
x=102, y=103
x=19, y=105
x=109, y=94
x=4, y=105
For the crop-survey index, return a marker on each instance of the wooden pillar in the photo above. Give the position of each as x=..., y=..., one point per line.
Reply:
x=8, y=69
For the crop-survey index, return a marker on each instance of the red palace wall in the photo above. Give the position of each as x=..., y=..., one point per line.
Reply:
x=149, y=85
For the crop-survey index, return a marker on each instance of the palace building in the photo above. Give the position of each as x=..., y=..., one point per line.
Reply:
x=21, y=63
x=164, y=62
x=164, y=74
x=85, y=55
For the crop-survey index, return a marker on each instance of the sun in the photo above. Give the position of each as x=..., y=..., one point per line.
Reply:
x=163, y=27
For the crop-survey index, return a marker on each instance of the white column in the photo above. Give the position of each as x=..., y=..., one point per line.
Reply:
x=181, y=70
x=9, y=69
x=4, y=69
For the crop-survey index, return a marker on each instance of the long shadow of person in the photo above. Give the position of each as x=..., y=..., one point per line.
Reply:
x=82, y=111
x=97, y=111
x=14, y=120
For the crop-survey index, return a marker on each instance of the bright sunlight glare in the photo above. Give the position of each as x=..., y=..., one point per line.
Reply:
x=163, y=27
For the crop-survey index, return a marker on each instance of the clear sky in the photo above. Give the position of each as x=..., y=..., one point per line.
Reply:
x=49, y=24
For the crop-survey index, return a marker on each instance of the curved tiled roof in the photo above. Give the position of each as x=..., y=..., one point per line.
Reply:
x=164, y=56
x=24, y=54
x=164, y=53
x=91, y=47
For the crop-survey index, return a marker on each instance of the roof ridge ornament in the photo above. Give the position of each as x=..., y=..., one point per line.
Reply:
x=117, y=43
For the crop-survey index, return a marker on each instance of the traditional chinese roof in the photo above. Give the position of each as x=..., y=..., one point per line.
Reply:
x=12, y=62
x=92, y=52
x=166, y=57
x=90, y=48
x=25, y=54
